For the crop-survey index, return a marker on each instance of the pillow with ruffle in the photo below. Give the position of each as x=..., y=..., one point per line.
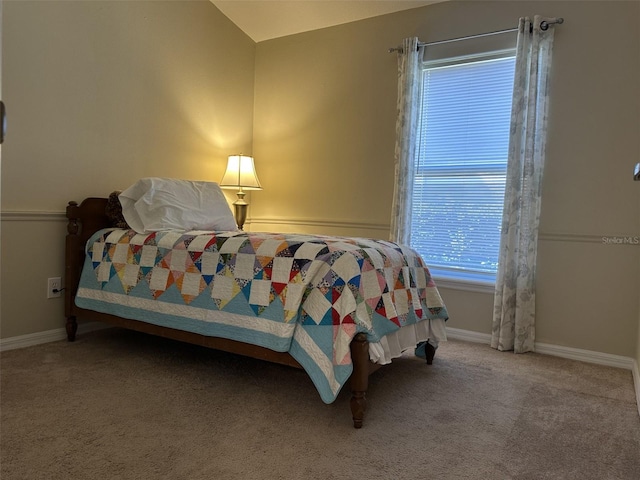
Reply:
x=161, y=204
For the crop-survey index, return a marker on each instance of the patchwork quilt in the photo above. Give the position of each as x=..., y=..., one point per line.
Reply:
x=302, y=294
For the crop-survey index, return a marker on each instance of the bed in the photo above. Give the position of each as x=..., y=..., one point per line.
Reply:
x=292, y=299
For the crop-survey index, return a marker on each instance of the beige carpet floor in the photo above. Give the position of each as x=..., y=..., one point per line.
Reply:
x=122, y=405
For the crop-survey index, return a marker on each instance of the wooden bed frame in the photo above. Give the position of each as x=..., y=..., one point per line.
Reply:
x=89, y=217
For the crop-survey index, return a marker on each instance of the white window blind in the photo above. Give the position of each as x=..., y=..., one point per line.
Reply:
x=462, y=157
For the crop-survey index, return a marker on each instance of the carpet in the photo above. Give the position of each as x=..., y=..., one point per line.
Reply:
x=118, y=404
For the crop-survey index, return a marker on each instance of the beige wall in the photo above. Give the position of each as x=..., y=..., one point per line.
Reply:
x=324, y=145
x=167, y=88
x=100, y=94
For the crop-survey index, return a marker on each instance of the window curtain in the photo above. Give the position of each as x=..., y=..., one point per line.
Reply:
x=514, y=303
x=408, y=114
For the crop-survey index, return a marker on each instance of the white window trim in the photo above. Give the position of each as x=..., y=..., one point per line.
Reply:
x=477, y=286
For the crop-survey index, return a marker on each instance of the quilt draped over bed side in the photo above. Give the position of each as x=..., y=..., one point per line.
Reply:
x=302, y=294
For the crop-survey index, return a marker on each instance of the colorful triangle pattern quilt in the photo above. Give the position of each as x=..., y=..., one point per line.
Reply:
x=305, y=294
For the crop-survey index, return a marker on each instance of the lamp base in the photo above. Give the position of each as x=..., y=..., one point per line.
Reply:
x=240, y=207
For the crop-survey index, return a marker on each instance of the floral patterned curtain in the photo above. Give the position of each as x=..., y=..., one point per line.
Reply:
x=409, y=77
x=515, y=295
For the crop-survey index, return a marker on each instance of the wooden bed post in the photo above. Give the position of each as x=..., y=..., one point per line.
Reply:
x=430, y=351
x=84, y=220
x=359, y=380
x=72, y=269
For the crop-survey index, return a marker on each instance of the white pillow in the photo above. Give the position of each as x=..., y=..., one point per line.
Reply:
x=160, y=204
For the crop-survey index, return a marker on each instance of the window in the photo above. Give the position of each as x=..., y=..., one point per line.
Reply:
x=461, y=165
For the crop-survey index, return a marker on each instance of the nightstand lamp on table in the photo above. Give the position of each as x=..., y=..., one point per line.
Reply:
x=240, y=174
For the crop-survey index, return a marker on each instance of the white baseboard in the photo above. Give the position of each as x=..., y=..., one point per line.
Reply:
x=636, y=381
x=31, y=339
x=468, y=335
x=571, y=353
x=598, y=358
x=588, y=356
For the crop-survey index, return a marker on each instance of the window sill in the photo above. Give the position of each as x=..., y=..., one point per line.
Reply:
x=466, y=284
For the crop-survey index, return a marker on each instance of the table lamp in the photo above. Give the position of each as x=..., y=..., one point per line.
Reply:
x=240, y=174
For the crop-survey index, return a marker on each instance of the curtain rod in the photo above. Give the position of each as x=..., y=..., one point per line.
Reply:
x=544, y=25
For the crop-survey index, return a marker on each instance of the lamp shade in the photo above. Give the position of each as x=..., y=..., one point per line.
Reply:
x=240, y=173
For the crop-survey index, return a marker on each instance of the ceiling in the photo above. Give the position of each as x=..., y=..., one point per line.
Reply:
x=266, y=19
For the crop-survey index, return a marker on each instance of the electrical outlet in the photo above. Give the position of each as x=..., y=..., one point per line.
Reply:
x=54, y=287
